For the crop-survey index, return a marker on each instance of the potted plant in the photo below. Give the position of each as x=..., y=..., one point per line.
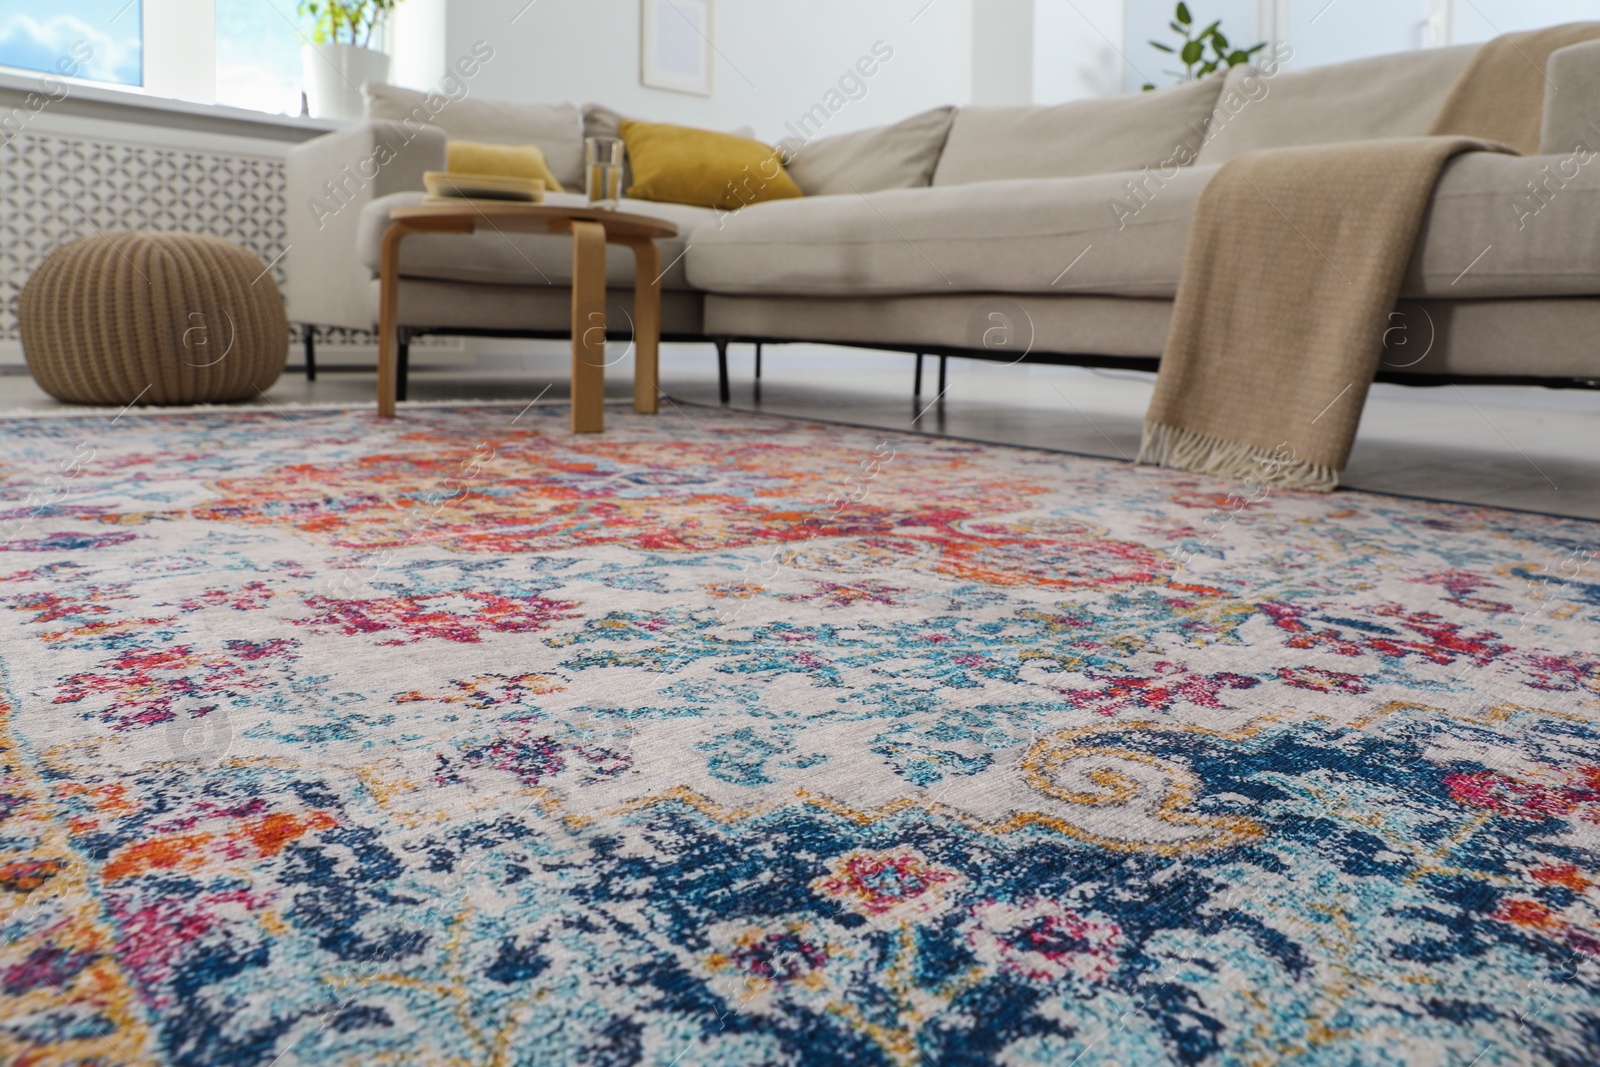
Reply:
x=340, y=56
x=1191, y=49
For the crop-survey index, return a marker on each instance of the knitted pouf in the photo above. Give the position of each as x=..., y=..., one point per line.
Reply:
x=167, y=318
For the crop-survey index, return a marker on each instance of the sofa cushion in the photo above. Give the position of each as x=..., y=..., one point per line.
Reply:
x=1125, y=235
x=1489, y=234
x=505, y=258
x=602, y=121
x=1101, y=136
x=901, y=156
x=1571, y=98
x=556, y=128
x=1363, y=99
x=1040, y=235
x=686, y=165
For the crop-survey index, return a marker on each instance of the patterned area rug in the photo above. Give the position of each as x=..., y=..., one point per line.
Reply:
x=725, y=740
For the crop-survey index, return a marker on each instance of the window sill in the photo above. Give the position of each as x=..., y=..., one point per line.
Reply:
x=119, y=105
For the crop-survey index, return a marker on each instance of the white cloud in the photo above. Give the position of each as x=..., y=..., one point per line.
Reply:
x=34, y=45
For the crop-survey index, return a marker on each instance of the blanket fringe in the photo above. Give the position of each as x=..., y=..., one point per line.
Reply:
x=1184, y=449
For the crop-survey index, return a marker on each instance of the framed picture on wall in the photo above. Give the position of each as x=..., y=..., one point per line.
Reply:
x=675, y=39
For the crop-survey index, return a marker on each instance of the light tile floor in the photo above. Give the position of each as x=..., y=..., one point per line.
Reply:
x=1518, y=447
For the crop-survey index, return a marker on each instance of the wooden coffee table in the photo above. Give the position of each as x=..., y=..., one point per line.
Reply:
x=591, y=229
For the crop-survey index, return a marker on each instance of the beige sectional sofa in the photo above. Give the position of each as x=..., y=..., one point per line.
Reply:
x=1066, y=225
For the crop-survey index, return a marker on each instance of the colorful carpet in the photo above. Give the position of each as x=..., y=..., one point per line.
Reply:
x=730, y=740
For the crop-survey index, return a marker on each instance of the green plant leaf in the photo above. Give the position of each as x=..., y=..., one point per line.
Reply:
x=1253, y=49
x=1147, y=88
x=1183, y=13
x=1220, y=41
x=1162, y=47
x=1192, y=52
x=1236, y=57
x=1179, y=30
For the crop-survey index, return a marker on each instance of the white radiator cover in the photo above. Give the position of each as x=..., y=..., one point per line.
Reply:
x=66, y=176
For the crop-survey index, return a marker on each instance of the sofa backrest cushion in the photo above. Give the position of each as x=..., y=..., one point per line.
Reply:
x=1359, y=100
x=556, y=128
x=1571, y=99
x=901, y=156
x=1099, y=136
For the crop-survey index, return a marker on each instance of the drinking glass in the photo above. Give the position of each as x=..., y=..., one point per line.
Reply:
x=602, y=167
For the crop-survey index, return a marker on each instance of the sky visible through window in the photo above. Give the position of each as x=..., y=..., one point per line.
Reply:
x=258, y=55
x=36, y=35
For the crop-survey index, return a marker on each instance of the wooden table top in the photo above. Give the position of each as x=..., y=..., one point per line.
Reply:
x=522, y=216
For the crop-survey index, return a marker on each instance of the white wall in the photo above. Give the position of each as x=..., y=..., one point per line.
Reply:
x=1002, y=51
x=417, y=35
x=774, y=58
x=1077, y=49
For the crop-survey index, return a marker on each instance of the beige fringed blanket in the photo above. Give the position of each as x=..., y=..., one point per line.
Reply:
x=1295, y=261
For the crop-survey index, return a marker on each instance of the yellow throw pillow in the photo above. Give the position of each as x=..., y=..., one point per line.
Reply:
x=501, y=160
x=683, y=165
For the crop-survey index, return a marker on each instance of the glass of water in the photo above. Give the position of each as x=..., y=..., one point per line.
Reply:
x=602, y=168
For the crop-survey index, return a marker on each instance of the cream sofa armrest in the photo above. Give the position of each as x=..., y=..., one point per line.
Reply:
x=327, y=182
x=1571, y=99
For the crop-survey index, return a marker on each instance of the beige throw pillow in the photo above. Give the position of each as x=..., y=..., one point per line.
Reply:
x=901, y=156
x=556, y=128
x=1158, y=129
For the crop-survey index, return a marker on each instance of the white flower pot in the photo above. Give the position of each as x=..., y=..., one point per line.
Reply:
x=333, y=77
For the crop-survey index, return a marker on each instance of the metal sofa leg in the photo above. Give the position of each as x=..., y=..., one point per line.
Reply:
x=942, y=360
x=758, y=361
x=403, y=365
x=722, y=368
x=311, y=352
x=916, y=383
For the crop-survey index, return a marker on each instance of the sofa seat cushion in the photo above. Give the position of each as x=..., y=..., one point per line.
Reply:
x=496, y=258
x=1100, y=136
x=1362, y=99
x=1125, y=235
x=1047, y=235
x=1511, y=226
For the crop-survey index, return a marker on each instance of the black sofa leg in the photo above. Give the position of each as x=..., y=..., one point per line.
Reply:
x=942, y=360
x=916, y=383
x=402, y=366
x=722, y=369
x=758, y=361
x=311, y=352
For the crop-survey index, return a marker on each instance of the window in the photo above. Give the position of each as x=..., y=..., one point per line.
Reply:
x=101, y=40
x=1332, y=31
x=258, y=55
x=1479, y=20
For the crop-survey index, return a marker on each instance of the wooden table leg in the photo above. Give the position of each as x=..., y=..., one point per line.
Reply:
x=646, y=327
x=389, y=316
x=588, y=327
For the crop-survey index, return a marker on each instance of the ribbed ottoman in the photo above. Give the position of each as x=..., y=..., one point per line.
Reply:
x=167, y=318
